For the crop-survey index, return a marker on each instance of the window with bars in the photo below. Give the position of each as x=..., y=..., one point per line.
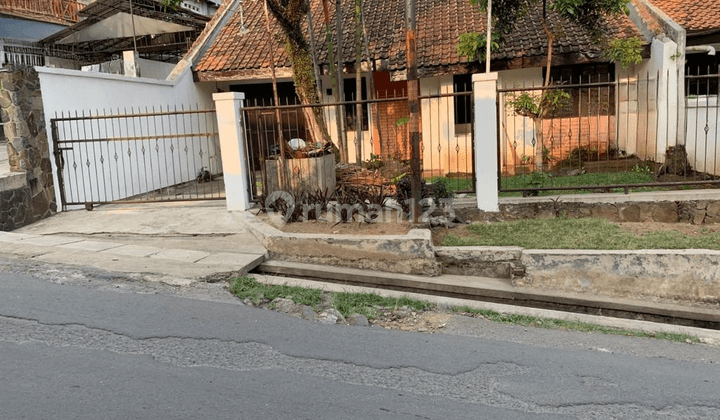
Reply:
x=701, y=75
x=584, y=101
x=350, y=90
x=463, y=104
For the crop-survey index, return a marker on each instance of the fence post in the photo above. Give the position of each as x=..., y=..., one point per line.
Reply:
x=486, y=142
x=228, y=106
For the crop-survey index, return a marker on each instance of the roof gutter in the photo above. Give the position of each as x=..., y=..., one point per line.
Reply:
x=710, y=50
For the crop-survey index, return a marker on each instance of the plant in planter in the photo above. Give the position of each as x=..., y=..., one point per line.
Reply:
x=538, y=107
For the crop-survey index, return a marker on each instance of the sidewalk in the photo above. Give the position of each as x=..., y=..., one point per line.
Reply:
x=172, y=242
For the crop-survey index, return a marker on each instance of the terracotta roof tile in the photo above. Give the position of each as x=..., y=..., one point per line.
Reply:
x=693, y=15
x=440, y=22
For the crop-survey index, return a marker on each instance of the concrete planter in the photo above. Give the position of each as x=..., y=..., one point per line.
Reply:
x=309, y=173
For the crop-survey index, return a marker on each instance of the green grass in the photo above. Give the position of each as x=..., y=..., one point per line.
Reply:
x=565, y=233
x=346, y=303
x=368, y=304
x=541, y=180
x=550, y=323
x=453, y=184
x=246, y=287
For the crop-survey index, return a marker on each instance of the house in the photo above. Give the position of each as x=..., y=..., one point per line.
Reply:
x=694, y=26
x=146, y=35
x=238, y=59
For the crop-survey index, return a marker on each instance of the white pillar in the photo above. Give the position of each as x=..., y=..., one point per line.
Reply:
x=131, y=63
x=486, y=142
x=232, y=149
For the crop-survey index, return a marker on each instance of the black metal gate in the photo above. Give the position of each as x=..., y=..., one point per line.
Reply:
x=131, y=157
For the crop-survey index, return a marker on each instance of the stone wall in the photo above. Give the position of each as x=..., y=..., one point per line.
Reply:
x=689, y=211
x=21, y=112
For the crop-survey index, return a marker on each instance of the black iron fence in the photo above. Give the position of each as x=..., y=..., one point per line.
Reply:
x=628, y=134
x=378, y=154
x=154, y=155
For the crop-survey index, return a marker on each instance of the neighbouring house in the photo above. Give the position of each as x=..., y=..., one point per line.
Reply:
x=140, y=38
x=694, y=25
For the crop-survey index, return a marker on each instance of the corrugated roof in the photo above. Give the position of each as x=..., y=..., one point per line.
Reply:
x=237, y=55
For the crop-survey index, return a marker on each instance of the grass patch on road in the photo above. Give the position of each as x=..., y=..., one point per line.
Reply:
x=368, y=305
x=551, y=323
x=565, y=233
x=246, y=287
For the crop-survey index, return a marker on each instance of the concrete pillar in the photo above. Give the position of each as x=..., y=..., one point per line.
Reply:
x=486, y=142
x=131, y=64
x=232, y=148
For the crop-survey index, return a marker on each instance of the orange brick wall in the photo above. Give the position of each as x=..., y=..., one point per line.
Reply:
x=562, y=135
x=393, y=138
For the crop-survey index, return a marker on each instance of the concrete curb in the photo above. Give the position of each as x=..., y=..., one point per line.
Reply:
x=413, y=253
x=687, y=275
x=707, y=336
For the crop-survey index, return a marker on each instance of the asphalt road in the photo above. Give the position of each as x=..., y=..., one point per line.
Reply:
x=79, y=345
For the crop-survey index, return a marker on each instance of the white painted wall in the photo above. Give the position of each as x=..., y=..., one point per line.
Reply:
x=66, y=92
x=331, y=114
x=702, y=146
x=648, y=108
x=443, y=150
x=154, y=69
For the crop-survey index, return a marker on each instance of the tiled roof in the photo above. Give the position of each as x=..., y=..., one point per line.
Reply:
x=693, y=15
x=235, y=55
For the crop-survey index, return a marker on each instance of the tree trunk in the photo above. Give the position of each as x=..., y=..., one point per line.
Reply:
x=334, y=80
x=549, y=35
x=374, y=115
x=290, y=18
x=313, y=50
x=306, y=89
x=358, y=85
x=340, y=77
x=286, y=150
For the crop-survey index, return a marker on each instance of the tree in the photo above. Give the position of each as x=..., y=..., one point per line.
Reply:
x=290, y=15
x=505, y=13
x=587, y=13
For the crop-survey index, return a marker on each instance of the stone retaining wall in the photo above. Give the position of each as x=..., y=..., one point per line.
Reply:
x=682, y=211
x=687, y=275
x=21, y=112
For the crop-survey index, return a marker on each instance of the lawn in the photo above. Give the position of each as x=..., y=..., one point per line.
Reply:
x=540, y=180
x=453, y=184
x=566, y=233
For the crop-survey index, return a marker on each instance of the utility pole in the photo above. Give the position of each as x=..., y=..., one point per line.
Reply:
x=414, y=105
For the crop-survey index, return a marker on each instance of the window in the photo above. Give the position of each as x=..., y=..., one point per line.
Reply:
x=349, y=87
x=261, y=94
x=584, y=101
x=463, y=104
x=701, y=64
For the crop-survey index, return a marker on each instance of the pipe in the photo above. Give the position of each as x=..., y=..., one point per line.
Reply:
x=700, y=48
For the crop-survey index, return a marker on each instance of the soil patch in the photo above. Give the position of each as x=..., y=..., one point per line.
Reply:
x=388, y=226
x=684, y=228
